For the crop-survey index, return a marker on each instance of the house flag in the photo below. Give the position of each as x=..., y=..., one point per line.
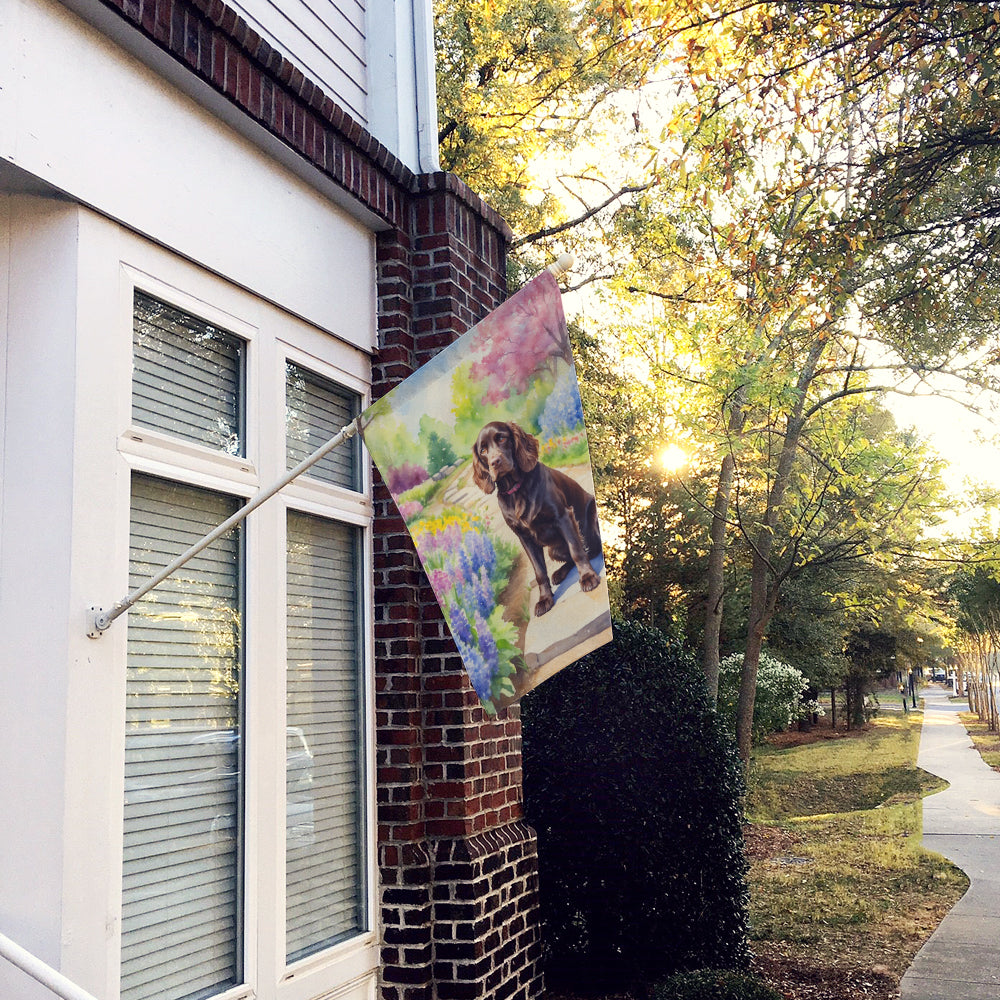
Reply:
x=485, y=453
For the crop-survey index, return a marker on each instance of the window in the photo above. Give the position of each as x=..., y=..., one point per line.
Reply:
x=205, y=830
x=315, y=409
x=324, y=858
x=187, y=377
x=182, y=870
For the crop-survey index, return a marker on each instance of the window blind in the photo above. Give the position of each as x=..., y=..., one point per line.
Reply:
x=187, y=377
x=325, y=863
x=182, y=872
x=315, y=409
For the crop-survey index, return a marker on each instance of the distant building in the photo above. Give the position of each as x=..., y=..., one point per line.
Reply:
x=223, y=230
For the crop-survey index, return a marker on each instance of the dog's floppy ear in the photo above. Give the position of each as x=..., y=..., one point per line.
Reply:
x=525, y=448
x=480, y=473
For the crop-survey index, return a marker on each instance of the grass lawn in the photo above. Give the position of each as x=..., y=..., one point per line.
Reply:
x=987, y=743
x=842, y=894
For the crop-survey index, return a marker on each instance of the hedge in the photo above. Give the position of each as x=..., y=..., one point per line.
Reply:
x=633, y=788
x=714, y=985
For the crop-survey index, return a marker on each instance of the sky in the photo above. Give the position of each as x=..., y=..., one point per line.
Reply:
x=959, y=437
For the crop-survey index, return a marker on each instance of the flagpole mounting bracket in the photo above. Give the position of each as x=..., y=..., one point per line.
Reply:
x=97, y=621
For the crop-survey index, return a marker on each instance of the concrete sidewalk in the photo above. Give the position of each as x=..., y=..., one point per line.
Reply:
x=961, y=959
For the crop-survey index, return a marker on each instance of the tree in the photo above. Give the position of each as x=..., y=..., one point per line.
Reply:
x=436, y=437
x=847, y=490
x=803, y=214
x=920, y=80
x=871, y=653
x=800, y=286
x=976, y=593
x=517, y=78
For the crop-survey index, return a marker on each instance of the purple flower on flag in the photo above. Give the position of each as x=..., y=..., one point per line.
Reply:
x=485, y=601
x=466, y=561
x=487, y=644
x=462, y=561
x=404, y=477
x=441, y=583
x=410, y=509
x=479, y=672
x=460, y=627
x=563, y=410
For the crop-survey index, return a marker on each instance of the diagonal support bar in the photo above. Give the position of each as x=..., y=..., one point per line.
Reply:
x=100, y=619
x=39, y=971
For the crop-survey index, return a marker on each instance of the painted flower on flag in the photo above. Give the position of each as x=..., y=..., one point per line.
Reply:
x=467, y=575
x=563, y=411
x=534, y=338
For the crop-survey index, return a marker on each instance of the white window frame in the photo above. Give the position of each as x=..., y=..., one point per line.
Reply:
x=272, y=338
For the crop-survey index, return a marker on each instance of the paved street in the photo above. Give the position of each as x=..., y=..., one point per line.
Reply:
x=961, y=960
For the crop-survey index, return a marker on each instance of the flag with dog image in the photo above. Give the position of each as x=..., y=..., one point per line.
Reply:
x=485, y=453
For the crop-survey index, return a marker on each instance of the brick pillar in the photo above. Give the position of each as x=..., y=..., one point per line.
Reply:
x=458, y=865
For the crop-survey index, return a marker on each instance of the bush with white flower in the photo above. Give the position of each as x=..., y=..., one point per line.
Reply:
x=780, y=687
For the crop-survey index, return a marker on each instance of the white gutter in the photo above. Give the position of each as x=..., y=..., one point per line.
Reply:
x=425, y=85
x=38, y=970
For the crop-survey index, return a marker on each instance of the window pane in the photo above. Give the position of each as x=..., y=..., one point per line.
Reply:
x=325, y=802
x=315, y=410
x=187, y=378
x=182, y=873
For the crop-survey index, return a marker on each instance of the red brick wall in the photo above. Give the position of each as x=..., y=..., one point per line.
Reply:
x=458, y=868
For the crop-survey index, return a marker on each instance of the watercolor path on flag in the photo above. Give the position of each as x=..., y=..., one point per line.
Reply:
x=516, y=368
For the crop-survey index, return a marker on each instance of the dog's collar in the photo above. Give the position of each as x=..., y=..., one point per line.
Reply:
x=513, y=489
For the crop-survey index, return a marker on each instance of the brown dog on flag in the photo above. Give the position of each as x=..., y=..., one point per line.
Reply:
x=542, y=506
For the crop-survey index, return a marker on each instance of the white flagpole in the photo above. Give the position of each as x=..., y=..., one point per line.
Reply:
x=101, y=619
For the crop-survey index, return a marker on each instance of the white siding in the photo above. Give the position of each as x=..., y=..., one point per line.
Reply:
x=38, y=397
x=375, y=58
x=325, y=39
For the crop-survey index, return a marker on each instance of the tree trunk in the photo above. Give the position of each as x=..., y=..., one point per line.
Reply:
x=992, y=698
x=717, y=554
x=855, y=702
x=762, y=597
x=716, y=580
x=761, y=609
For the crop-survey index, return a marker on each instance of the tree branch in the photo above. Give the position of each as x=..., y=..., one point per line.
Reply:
x=542, y=234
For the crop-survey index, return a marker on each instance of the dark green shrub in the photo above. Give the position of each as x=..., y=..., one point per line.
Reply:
x=711, y=984
x=633, y=789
